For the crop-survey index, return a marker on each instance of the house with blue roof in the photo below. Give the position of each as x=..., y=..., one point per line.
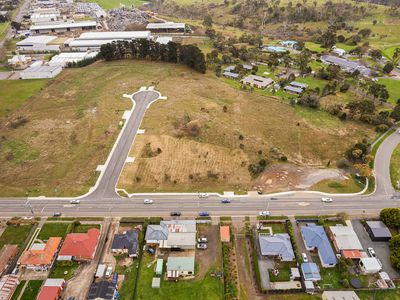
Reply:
x=316, y=239
x=310, y=271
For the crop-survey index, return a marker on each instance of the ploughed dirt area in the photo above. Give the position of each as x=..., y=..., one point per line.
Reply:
x=286, y=177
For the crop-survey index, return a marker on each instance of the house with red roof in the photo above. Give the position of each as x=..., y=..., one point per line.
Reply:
x=51, y=289
x=80, y=246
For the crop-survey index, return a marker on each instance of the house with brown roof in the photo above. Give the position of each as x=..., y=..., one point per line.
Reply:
x=41, y=256
x=80, y=246
x=7, y=254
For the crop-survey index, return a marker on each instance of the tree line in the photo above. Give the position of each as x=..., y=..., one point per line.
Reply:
x=189, y=55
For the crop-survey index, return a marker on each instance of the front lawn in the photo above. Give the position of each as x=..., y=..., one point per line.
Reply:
x=32, y=290
x=284, y=275
x=350, y=185
x=54, y=230
x=395, y=166
x=15, y=235
x=64, y=269
x=206, y=288
x=276, y=227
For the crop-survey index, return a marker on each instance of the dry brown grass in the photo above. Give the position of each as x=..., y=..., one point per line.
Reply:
x=270, y=129
x=73, y=122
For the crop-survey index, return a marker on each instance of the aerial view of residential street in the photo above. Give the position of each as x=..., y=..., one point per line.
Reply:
x=214, y=149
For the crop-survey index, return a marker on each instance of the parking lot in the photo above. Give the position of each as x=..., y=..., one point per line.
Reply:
x=381, y=248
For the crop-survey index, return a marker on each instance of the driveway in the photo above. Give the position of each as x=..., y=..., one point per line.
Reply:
x=299, y=239
x=381, y=248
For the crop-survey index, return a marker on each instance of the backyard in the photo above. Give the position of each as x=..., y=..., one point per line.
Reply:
x=205, y=288
x=83, y=228
x=64, y=269
x=31, y=290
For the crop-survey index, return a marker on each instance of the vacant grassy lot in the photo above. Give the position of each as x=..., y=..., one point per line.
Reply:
x=338, y=186
x=207, y=133
x=76, y=117
x=32, y=290
x=54, y=230
x=392, y=86
x=15, y=235
x=15, y=92
x=395, y=166
x=208, y=287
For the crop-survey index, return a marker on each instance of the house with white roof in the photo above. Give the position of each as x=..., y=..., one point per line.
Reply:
x=38, y=43
x=344, y=238
x=369, y=265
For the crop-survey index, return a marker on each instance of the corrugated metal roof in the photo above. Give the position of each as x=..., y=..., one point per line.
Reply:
x=64, y=25
x=114, y=35
x=37, y=39
x=180, y=264
x=167, y=25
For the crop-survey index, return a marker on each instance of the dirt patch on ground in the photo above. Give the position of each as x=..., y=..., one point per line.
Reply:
x=209, y=257
x=289, y=177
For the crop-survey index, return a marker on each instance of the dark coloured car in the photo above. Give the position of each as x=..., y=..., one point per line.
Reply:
x=226, y=201
x=175, y=214
x=204, y=214
x=57, y=214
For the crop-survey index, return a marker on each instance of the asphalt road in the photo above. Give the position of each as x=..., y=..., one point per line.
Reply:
x=104, y=201
x=21, y=11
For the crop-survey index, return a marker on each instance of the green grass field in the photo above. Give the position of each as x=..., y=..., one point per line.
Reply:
x=15, y=92
x=15, y=235
x=338, y=186
x=393, y=87
x=109, y=4
x=60, y=267
x=395, y=166
x=32, y=290
x=54, y=230
x=207, y=288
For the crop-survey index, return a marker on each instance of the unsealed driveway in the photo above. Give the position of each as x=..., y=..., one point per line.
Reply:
x=381, y=248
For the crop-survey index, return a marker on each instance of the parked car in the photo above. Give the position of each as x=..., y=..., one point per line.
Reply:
x=202, y=240
x=27, y=218
x=226, y=201
x=57, y=214
x=175, y=213
x=371, y=252
x=203, y=214
x=304, y=256
x=147, y=201
x=202, y=246
x=326, y=200
x=75, y=201
x=264, y=213
x=151, y=250
x=108, y=272
x=203, y=195
x=273, y=198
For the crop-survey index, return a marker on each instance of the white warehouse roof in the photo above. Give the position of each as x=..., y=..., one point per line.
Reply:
x=114, y=35
x=64, y=25
x=167, y=25
x=69, y=57
x=89, y=43
x=37, y=39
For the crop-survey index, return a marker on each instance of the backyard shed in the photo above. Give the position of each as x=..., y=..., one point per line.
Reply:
x=156, y=282
x=378, y=231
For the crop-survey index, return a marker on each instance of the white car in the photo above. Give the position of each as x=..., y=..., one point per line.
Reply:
x=148, y=201
x=75, y=201
x=265, y=213
x=326, y=200
x=27, y=218
x=108, y=272
x=203, y=195
x=371, y=252
x=304, y=256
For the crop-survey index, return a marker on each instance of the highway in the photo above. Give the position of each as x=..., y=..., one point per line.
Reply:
x=103, y=200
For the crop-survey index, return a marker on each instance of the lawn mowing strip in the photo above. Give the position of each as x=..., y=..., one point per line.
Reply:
x=289, y=229
x=272, y=217
x=375, y=148
x=142, y=242
x=18, y=290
